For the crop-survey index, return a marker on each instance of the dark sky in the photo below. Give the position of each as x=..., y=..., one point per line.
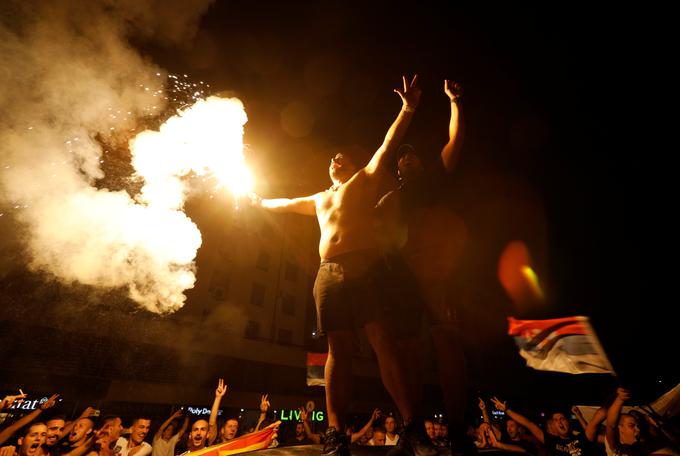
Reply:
x=539, y=101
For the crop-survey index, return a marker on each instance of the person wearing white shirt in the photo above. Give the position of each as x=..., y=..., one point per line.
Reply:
x=165, y=439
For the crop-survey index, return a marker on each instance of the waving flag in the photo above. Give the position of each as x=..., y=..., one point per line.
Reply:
x=561, y=345
x=259, y=440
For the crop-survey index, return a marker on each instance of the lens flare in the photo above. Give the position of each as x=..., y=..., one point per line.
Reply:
x=517, y=276
x=532, y=280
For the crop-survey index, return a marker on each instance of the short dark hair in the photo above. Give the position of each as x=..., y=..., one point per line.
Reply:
x=90, y=419
x=108, y=418
x=26, y=429
x=137, y=418
x=55, y=417
x=405, y=149
x=555, y=411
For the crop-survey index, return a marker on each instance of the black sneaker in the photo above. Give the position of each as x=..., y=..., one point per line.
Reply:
x=414, y=441
x=335, y=443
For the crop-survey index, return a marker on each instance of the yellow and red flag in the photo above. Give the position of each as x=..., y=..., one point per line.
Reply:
x=259, y=440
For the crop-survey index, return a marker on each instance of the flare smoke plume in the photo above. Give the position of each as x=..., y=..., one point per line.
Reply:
x=69, y=80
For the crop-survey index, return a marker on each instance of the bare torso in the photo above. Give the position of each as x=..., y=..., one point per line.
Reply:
x=346, y=216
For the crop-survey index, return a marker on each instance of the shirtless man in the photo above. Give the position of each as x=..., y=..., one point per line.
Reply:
x=347, y=290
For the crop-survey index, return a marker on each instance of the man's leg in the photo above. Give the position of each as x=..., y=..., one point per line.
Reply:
x=392, y=369
x=338, y=377
x=451, y=363
x=452, y=372
x=410, y=350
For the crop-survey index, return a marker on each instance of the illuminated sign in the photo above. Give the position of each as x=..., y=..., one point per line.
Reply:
x=294, y=415
x=200, y=411
x=30, y=405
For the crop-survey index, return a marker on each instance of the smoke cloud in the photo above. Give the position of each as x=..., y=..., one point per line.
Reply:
x=70, y=82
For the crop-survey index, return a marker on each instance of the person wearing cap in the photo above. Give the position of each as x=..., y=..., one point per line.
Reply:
x=423, y=238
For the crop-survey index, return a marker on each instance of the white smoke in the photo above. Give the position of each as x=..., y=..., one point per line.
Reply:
x=68, y=76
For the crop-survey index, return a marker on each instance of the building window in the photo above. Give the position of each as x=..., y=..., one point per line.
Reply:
x=252, y=330
x=288, y=304
x=285, y=336
x=257, y=295
x=219, y=285
x=263, y=260
x=291, y=271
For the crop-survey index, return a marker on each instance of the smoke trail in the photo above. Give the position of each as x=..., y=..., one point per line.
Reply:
x=68, y=81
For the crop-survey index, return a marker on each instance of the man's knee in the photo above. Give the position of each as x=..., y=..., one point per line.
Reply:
x=379, y=336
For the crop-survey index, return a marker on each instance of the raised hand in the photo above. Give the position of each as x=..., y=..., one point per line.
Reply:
x=8, y=451
x=303, y=414
x=376, y=414
x=493, y=441
x=502, y=406
x=49, y=403
x=103, y=444
x=622, y=394
x=9, y=400
x=221, y=389
x=264, y=403
x=88, y=412
x=453, y=90
x=482, y=405
x=410, y=95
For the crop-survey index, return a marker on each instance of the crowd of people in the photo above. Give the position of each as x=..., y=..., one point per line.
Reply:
x=610, y=431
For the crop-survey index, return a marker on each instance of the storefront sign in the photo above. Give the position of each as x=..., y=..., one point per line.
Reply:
x=294, y=415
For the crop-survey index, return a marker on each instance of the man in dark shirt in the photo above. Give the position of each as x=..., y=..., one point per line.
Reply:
x=423, y=239
x=300, y=437
x=564, y=442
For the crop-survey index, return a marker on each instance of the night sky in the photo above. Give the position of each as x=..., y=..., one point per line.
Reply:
x=538, y=106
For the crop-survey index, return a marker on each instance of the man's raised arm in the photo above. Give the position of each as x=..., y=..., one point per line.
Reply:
x=305, y=205
x=166, y=423
x=410, y=97
x=521, y=419
x=451, y=150
x=220, y=391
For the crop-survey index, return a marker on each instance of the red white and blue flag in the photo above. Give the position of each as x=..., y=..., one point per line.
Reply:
x=316, y=362
x=560, y=345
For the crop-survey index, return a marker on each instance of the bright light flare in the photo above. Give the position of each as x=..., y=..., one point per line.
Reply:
x=206, y=138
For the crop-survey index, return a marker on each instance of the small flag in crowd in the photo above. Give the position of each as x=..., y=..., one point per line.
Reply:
x=560, y=345
x=259, y=440
x=315, y=367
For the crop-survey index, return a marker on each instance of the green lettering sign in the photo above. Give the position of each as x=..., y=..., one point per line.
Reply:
x=290, y=415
